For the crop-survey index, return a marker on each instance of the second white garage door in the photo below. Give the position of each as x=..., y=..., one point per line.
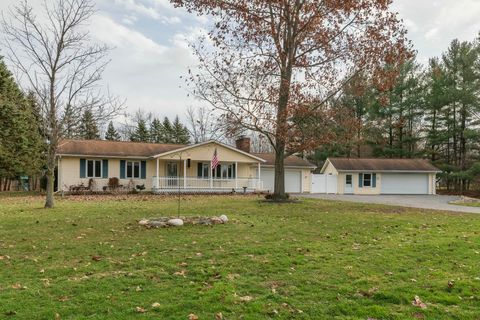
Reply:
x=404, y=183
x=293, y=180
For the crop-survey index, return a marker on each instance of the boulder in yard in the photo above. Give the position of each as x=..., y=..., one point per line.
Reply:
x=175, y=222
x=143, y=222
x=224, y=218
x=157, y=224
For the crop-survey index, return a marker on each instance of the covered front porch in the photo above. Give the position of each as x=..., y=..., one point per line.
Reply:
x=190, y=172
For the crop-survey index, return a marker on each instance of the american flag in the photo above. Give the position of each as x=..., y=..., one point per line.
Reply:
x=215, y=159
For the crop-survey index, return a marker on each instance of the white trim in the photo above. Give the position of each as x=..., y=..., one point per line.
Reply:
x=205, y=143
x=289, y=167
x=133, y=169
x=387, y=171
x=86, y=169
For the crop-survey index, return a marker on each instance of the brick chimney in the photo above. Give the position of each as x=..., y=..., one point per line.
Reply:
x=243, y=143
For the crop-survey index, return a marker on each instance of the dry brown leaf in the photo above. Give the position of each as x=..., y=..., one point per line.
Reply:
x=140, y=310
x=181, y=273
x=418, y=303
x=96, y=258
x=17, y=286
x=155, y=305
x=246, y=298
x=63, y=298
x=218, y=316
x=192, y=316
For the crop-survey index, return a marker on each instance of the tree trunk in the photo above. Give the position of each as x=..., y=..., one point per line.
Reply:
x=51, y=162
x=279, y=185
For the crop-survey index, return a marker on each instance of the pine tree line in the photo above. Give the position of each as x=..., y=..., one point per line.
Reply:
x=21, y=143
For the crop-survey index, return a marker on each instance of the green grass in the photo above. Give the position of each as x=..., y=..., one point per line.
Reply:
x=308, y=260
x=468, y=204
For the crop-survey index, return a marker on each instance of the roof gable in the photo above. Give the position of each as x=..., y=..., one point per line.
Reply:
x=382, y=165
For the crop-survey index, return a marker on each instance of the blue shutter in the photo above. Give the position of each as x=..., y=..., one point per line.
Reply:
x=83, y=165
x=374, y=180
x=360, y=180
x=104, y=168
x=122, y=169
x=143, y=170
x=200, y=170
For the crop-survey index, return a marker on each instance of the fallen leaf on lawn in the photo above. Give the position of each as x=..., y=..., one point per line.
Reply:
x=138, y=289
x=96, y=258
x=192, y=316
x=413, y=280
x=198, y=254
x=218, y=316
x=418, y=303
x=57, y=316
x=155, y=305
x=246, y=298
x=4, y=257
x=140, y=310
x=451, y=284
x=181, y=273
x=183, y=264
x=63, y=298
x=17, y=286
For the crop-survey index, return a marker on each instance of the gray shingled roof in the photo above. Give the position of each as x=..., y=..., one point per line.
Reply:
x=291, y=161
x=406, y=165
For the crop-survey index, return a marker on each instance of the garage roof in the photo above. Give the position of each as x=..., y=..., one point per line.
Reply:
x=290, y=161
x=382, y=165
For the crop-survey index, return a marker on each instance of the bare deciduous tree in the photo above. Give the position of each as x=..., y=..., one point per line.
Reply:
x=271, y=65
x=203, y=125
x=62, y=66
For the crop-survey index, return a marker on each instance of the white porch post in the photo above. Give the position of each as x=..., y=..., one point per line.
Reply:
x=259, y=176
x=236, y=175
x=184, y=174
x=158, y=179
x=211, y=175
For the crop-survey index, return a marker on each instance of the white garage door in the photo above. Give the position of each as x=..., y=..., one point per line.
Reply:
x=293, y=180
x=404, y=183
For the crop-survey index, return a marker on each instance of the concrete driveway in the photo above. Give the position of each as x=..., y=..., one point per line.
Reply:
x=435, y=202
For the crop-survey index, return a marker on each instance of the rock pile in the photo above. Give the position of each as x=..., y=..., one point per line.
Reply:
x=163, y=222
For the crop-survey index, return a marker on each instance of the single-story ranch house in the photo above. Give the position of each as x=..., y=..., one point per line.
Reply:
x=382, y=176
x=171, y=168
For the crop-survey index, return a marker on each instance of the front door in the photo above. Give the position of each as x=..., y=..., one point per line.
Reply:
x=172, y=174
x=349, y=184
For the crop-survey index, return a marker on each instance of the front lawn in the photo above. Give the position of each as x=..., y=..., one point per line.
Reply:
x=309, y=260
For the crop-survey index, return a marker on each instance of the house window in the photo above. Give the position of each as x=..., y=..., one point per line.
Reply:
x=225, y=171
x=133, y=169
x=367, y=179
x=94, y=168
x=205, y=169
x=348, y=179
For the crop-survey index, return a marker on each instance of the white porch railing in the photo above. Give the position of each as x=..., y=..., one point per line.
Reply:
x=200, y=183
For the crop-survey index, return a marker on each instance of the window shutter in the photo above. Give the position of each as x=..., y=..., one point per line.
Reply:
x=83, y=168
x=374, y=180
x=360, y=180
x=143, y=170
x=200, y=169
x=234, y=170
x=104, y=168
x=122, y=169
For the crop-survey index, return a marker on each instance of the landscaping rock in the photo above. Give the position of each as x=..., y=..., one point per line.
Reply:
x=224, y=218
x=157, y=224
x=143, y=222
x=216, y=220
x=175, y=222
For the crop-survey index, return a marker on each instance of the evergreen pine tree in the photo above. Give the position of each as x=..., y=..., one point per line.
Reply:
x=111, y=133
x=167, y=131
x=180, y=134
x=157, y=133
x=21, y=144
x=141, y=133
x=89, y=127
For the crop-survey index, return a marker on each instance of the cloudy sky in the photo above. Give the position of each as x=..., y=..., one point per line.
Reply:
x=150, y=39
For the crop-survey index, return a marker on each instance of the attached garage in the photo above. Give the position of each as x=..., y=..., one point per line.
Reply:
x=293, y=180
x=297, y=173
x=404, y=183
